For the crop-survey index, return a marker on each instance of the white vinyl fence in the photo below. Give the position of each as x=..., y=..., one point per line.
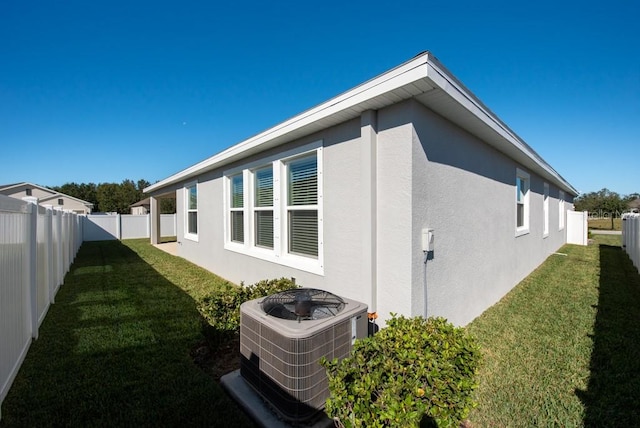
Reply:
x=577, y=227
x=631, y=237
x=104, y=227
x=37, y=246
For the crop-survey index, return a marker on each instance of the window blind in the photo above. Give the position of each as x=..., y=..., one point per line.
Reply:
x=264, y=228
x=303, y=181
x=303, y=232
x=264, y=187
x=237, y=191
x=237, y=226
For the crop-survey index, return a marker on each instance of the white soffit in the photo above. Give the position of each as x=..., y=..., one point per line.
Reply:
x=417, y=78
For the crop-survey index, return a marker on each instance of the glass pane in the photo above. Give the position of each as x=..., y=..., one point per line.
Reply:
x=237, y=192
x=303, y=232
x=303, y=181
x=520, y=215
x=237, y=226
x=520, y=186
x=193, y=222
x=264, y=229
x=264, y=187
x=193, y=198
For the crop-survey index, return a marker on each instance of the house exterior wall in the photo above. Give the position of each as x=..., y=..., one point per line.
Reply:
x=341, y=180
x=67, y=204
x=47, y=198
x=139, y=210
x=465, y=191
x=20, y=192
x=428, y=173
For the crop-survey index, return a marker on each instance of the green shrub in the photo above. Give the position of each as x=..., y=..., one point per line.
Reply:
x=414, y=372
x=221, y=309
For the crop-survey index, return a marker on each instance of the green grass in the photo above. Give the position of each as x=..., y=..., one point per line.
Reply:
x=605, y=224
x=114, y=349
x=563, y=348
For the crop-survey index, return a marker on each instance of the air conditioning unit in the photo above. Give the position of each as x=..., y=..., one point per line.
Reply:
x=283, y=337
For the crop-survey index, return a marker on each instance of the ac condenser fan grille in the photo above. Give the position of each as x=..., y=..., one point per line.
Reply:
x=303, y=304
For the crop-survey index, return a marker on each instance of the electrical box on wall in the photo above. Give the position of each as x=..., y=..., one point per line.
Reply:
x=427, y=239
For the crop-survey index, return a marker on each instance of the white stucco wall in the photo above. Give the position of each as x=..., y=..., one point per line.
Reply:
x=429, y=173
x=465, y=191
x=342, y=226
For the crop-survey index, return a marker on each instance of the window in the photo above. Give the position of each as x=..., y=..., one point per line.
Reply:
x=273, y=208
x=545, y=209
x=263, y=207
x=522, y=202
x=28, y=192
x=60, y=201
x=191, y=211
x=237, y=208
x=302, y=206
x=561, y=210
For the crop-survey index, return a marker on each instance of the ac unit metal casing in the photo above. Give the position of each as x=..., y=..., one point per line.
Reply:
x=280, y=358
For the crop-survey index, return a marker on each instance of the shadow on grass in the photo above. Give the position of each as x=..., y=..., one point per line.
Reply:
x=115, y=351
x=613, y=394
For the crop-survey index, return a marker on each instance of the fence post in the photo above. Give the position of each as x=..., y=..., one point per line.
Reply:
x=51, y=251
x=32, y=264
x=118, y=227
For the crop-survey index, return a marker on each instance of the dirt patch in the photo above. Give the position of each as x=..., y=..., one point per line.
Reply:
x=217, y=359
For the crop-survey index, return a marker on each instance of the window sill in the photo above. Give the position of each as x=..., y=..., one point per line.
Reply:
x=302, y=263
x=523, y=231
x=191, y=237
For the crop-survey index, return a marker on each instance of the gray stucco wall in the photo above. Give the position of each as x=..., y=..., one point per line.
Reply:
x=429, y=173
x=465, y=190
x=342, y=225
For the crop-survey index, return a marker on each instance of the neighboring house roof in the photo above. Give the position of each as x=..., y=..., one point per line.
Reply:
x=61, y=195
x=634, y=204
x=26, y=184
x=423, y=78
x=143, y=203
x=54, y=194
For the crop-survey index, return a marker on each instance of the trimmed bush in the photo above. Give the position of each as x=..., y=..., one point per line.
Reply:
x=221, y=309
x=415, y=372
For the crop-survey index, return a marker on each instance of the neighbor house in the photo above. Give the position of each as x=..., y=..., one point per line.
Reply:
x=140, y=207
x=46, y=196
x=405, y=192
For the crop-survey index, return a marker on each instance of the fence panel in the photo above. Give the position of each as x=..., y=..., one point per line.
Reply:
x=15, y=322
x=32, y=265
x=577, y=227
x=134, y=226
x=43, y=261
x=168, y=225
x=101, y=227
x=631, y=237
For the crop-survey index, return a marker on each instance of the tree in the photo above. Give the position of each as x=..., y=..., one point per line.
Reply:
x=107, y=195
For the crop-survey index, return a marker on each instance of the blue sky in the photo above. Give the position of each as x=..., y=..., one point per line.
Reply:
x=101, y=91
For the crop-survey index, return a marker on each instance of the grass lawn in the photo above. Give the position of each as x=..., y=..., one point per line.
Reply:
x=605, y=224
x=115, y=348
x=563, y=348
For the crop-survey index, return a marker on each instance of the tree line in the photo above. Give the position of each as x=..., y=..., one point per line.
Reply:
x=113, y=197
x=604, y=202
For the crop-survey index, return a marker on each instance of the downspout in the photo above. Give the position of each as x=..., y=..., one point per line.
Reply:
x=369, y=178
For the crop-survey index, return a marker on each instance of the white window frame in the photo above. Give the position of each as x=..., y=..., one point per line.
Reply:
x=279, y=253
x=256, y=209
x=525, y=201
x=545, y=211
x=238, y=209
x=186, y=210
x=562, y=212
